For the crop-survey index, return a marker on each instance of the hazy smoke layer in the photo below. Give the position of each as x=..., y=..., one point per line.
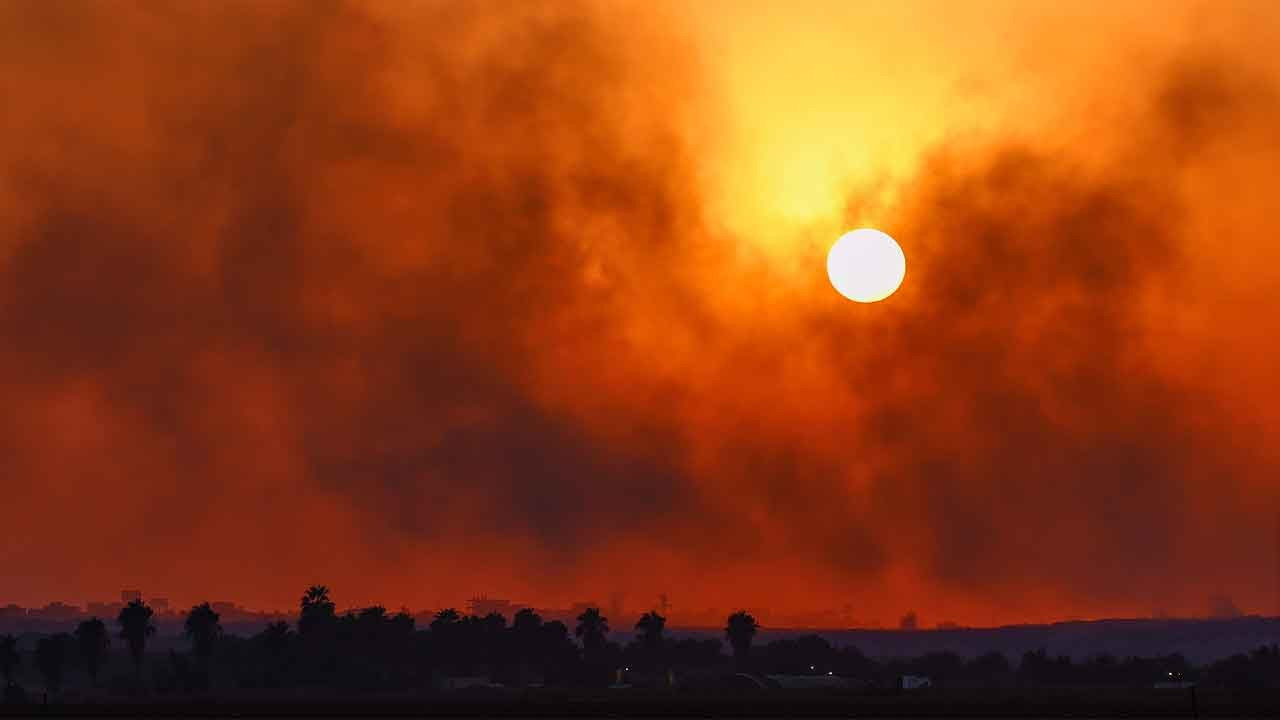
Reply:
x=425, y=300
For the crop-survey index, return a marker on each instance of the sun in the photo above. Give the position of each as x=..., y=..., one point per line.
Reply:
x=866, y=265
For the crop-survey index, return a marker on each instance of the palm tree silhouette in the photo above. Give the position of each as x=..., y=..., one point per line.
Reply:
x=10, y=660
x=51, y=656
x=316, y=595
x=317, y=609
x=593, y=629
x=651, y=625
x=93, y=639
x=741, y=630
x=203, y=629
x=526, y=634
x=135, y=628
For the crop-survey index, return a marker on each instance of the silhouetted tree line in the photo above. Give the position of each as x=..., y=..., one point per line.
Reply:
x=373, y=649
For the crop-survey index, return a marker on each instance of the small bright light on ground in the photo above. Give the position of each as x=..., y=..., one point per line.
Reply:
x=866, y=265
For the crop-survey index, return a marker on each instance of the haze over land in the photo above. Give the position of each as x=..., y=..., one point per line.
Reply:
x=421, y=300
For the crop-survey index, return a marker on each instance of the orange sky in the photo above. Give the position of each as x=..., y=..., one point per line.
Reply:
x=424, y=300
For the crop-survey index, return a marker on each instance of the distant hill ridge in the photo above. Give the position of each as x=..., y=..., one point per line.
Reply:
x=1199, y=640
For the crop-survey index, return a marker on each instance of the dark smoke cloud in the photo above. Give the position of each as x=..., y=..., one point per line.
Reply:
x=422, y=302
x=1042, y=439
x=235, y=195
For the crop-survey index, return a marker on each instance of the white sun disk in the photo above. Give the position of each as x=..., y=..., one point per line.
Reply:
x=866, y=265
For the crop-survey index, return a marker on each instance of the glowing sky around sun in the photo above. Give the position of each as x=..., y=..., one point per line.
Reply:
x=544, y=286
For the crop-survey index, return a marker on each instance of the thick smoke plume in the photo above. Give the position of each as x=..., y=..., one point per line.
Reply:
x=427, y=300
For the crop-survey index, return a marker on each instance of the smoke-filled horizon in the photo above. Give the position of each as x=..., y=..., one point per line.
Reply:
x=428, y=300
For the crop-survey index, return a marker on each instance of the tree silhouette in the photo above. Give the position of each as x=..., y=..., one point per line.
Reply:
x=444, y=618
x=371, y=649
x=741, y=630
x=493, y=623
x=495, y=644
x=650, y=627
x=556, y=650
x=373, y=614
x=203, y=629
x=275, y=638
x=525, y=627
x=526, y=621
x=398, y=636
x=135, y=628
x=93, y=640
x=593, y=630
x=526, y=640
x=381, y=636
x=403, y=622
x=51, y=657
x=10, y=660
x=446, y=642
x=317, y=610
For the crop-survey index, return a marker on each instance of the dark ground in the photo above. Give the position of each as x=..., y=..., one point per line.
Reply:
x=1100, y=703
